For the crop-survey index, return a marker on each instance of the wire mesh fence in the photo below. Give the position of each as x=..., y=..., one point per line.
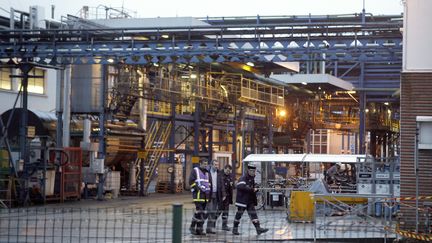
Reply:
x=154, y=225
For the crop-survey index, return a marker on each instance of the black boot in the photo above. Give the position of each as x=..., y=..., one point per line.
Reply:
x=200, y=230
x=211, y=224
x=225, y=224
x=192, y=227
x=210, y=231
x=260, y=230
x=235, y=228
x=193, y=230
x=225, y=227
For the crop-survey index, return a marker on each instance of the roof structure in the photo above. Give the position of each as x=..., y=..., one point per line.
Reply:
x=318, y=80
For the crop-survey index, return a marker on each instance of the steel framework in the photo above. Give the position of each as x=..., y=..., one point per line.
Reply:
x=334, y=38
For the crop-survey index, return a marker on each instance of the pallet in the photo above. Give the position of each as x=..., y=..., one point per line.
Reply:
x=129, y=193
x=165, y=187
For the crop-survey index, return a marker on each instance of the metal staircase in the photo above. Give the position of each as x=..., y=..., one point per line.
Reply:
x=124, y=93
x=155, y=146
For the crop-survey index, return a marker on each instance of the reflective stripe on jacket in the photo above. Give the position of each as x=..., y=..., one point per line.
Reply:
x=200, y=185
x=245, y=191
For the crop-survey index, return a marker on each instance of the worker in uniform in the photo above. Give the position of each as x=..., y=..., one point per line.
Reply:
x=200, y=182
x=332, y=172
x=246, y=200
x=228, y=183
x=217, y=195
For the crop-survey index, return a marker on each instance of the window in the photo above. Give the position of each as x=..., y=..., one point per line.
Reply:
x=35, y=85
x=319, y=141
x=5, y=80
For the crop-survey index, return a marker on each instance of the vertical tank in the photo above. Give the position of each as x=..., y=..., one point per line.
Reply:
x=86, y=88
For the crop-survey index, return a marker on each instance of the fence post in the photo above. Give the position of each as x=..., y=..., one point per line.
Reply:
x=177, y=223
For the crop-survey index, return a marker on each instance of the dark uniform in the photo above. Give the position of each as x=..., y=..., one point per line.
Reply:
x=200, y=182
x=228, y=183
x=213, y=207
x=332, y=173
x=247, y=200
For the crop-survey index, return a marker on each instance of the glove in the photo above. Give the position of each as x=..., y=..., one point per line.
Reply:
x=250, y=188
x=202, y=188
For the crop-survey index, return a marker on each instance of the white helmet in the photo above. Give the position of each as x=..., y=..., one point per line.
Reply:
x=339, y=164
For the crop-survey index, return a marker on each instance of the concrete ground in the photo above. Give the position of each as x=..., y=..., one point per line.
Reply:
x=150, y=219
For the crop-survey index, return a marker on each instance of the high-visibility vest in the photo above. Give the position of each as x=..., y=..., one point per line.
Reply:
x=202, y=180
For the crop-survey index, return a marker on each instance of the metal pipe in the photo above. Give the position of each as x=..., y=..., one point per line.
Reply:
x=12, y=19
x=52, y=11
x=132, y=176
x=143, y=103
x=126, y=133
x=120, y=125
x=375, y=89
x=66, y=105
x=323, y=63
x=87, y=130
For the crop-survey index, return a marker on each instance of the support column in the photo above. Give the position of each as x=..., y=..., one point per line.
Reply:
x=234, y=144
x=24, y=115
x=349, y=143
x=196, y=129
x=356, y=146
x=343, y=143
x=142, y=107
x=373, y=144
x=24, y=155
x=171, y=146
x=101, y=152
x=270, y=134
x=362, y=96
x=308, y=142
x=234, y=149
x=268, y=174
x=243, y=140
x=252, y=137
x=59, y=108
x=210, y=143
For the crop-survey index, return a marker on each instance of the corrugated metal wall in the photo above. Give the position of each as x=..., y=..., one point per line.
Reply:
x=416, y=100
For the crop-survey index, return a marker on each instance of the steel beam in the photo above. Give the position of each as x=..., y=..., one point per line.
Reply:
x=290, y=41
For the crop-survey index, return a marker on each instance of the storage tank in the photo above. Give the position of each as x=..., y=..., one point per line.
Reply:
x=86, y=83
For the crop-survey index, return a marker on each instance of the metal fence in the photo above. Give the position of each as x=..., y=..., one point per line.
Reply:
x=153, y=225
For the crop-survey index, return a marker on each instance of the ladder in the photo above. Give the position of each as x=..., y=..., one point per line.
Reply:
x=7, y=187
x=155, y=146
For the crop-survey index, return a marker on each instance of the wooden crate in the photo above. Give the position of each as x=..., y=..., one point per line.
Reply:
x=164, y=175
x=165, y=187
